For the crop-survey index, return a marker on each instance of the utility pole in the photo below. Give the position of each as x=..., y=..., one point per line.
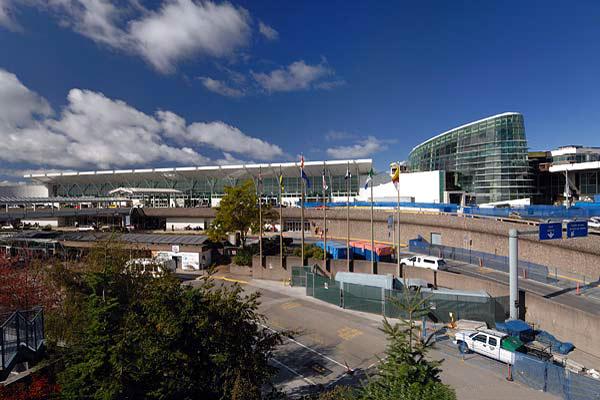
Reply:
x=513, y=264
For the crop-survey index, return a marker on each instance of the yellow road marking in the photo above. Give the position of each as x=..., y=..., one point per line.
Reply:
x=349, y=333
x=224, y=278
x=316, y=338
x=289, y=305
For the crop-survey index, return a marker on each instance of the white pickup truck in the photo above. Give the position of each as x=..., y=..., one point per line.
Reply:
x=485, y=342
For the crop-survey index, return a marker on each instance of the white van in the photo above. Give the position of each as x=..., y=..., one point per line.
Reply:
x=430, y=262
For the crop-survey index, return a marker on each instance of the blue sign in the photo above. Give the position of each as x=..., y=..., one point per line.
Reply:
x=577, y=229
x=551, y=231
x=391, y=222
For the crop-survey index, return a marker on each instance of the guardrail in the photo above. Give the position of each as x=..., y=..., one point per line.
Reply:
x=526, y=270
x=23, y=331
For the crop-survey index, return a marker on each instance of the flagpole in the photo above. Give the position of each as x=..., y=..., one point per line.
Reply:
x=372, y=233
x=260, y=215
x=398, y=253
x=281, y=219
x=302, y=210
x=348, y=217
x=324, y=220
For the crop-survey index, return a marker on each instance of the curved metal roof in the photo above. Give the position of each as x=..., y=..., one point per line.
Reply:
x=289, y=169
x=464, y=126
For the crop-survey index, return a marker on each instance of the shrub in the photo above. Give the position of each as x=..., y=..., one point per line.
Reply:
x=244, y=257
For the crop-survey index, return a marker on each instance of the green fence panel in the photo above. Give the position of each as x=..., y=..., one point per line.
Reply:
x=363, y=298
x=501, y=308
x=310, y=284
x=396, y=301
x=328, y=290
x=299, y=276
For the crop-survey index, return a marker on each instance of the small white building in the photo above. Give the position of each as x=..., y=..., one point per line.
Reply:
x=420, y=187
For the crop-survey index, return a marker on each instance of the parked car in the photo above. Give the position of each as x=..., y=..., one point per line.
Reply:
x=7, y=227
x=429, y=262
x=489, y=343
x=594, y=222
x=85, y=228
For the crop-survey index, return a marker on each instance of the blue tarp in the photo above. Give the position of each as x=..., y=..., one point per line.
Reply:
x=336, y=250
x=516, y=328
x=556, y=345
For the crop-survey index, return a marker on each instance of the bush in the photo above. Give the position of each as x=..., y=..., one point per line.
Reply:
x=244, y=256
x=310, y=251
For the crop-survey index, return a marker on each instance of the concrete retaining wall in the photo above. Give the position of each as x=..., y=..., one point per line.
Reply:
x=566, y=323
x=240, y=270
x=578, y=256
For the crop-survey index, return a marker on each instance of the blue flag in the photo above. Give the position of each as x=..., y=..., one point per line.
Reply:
x=305, y=179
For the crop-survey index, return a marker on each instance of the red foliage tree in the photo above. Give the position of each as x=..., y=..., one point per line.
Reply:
x=38, y=387
x=24, y=283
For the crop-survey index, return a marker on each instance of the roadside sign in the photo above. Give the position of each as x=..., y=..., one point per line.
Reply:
x=391, y=222
x=577, y=229
x=175, y=248
x=551, y=231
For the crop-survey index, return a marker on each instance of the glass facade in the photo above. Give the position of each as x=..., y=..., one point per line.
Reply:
x=488, y=158
x=196, y=189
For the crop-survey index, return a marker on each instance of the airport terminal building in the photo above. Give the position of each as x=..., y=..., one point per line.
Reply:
x=205, y=185
x=487, y=158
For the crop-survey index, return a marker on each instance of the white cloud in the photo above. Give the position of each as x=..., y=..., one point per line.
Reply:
x=177, y=30
x=228, y=159
x=296, y=76
x=6, y=18
x=267, y=31
x=228, y=138
x=94, y=130
x=183, y=28
x=332, y=136
x=220, y=87
x=363, y=148
x=328, y=85
x=19, y=105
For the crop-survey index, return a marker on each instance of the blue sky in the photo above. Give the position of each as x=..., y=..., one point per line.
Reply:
x=99, y=84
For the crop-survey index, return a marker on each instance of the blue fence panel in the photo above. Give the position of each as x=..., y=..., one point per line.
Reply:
x=583, y=388
x=529, y=371
x=556, y=380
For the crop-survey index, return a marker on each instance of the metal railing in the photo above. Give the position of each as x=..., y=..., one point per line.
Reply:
x=528, y=270
x=22, y=331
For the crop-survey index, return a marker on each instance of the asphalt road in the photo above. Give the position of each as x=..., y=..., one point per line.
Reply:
x=327, y=341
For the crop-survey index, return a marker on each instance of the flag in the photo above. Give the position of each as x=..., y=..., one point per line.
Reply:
x=303, y=174
x=281, y=182
x=325, y=187
x=348, y=174
x=369, y=178
x=396, y=176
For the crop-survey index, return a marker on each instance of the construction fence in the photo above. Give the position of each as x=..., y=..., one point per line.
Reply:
x=541, y=375
x=555, y=379
x=389, y=302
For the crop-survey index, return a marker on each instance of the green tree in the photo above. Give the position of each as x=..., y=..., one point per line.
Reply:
x=310, y=251
x=405, y=373
x=237, y=212
x=154, y=338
